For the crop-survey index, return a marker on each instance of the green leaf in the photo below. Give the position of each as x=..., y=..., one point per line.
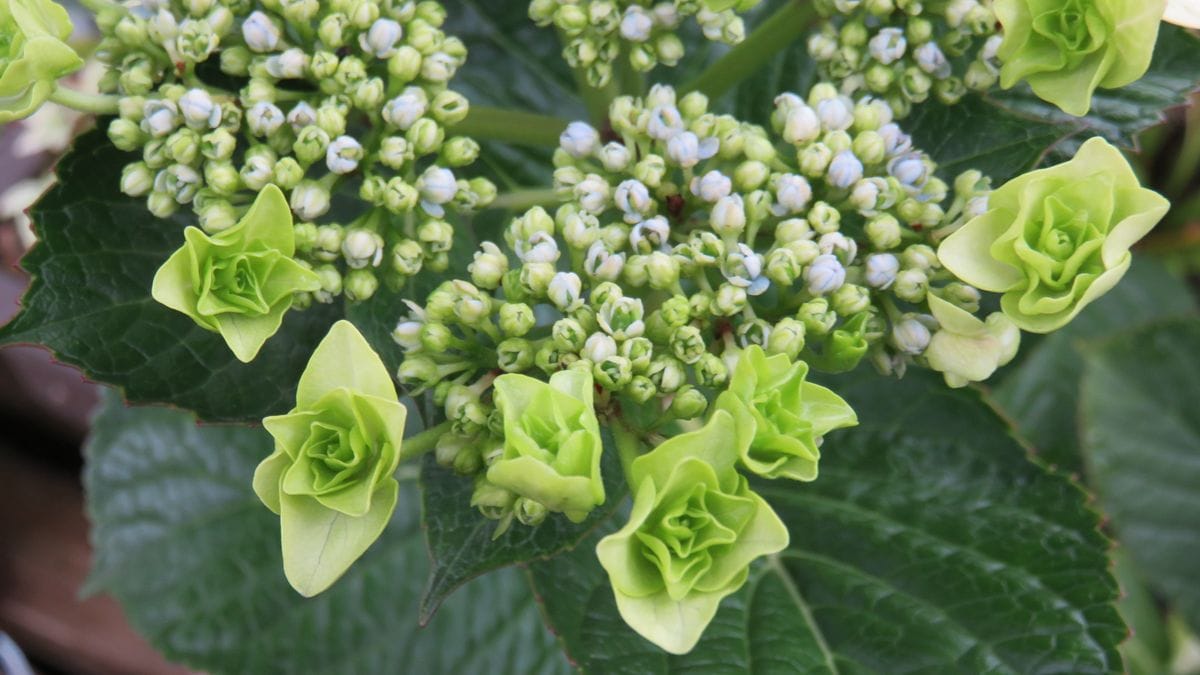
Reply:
x=461, y=545
x=90, y=303
x=1042, y=395
x=929, y=544
x=193, y=557
x=1141, y=438
x=1120, y=114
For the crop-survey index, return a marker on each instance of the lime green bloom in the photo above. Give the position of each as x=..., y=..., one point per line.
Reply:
x=966, y=349
x=1065, y=49
x=330, y=477
x=1054, y=240
x=241, y=281
x=33, y=55
x=694, y=529
x=552, y=443
x=781, y=417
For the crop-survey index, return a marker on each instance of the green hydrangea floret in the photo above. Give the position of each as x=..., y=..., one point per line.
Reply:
x=33, y=55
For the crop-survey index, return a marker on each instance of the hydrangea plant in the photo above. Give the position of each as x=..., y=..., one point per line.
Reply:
x=598, y=359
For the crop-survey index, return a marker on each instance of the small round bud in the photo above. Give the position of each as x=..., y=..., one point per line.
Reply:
x=688, y=403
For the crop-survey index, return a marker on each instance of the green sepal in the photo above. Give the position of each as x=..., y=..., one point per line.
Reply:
x=241, y=281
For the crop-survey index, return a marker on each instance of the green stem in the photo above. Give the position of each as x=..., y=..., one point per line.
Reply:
x=418, y=445
x=511, y=126
x=1189, y=155
x=98, y=104
x=782, y=28
x=629, y=447
x=521, y=200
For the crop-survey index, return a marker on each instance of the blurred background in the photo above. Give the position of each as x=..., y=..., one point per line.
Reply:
x=45, y=409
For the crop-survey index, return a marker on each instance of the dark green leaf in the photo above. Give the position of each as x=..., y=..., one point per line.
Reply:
x=460, y=539
x=929, y=544
x=90, y=302
x=1141, y=438
x=1042, y=394
x=185, y=546
x=1120, y=114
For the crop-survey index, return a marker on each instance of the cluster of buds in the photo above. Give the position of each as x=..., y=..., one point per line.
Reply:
x=598, y=32
x=906, y=50
x=320, y=99
x=687, y=239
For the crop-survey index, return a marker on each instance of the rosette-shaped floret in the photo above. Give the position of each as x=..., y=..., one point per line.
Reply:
x=694, y=530
x=33, y=55
x=330, y=477
x=781, y=417
x=239, y=282
x=1053, y=241
x=1065, y=49
x=552, y=442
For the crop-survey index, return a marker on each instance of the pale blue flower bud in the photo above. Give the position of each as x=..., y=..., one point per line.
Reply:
x=712, y=186
x=160, y=117
x=343, y=155
x=404, y=110
x=845, y=170
x=309, y=200
x=728, y=217
x=636, y=24
x=881, y=270
x=633, y=199
x=910, y=335
x=601, y=263
x=836, y=114
x=825, y=275
x=888, y=45
x=593, y=193
x=381, y=38
x=260, y=33
x=792, y=194
x=579, y=139
x=264, y=118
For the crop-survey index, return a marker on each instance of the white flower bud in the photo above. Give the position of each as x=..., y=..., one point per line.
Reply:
x=598, y=347
x=888, y=45
x=687, y=150
x=728, y=216
x=579, y=139
x=909, y=169
x=541, y=247
x=615, y=157
x=264, y=118
x=404, y=110
x=301, y=115
x=930, y=59
x=712, y=186
x=801, y=125
x=882, y=269
x=896, y=141
x=439, y=67
x=343, y=154
x=976, y=207
x=260, y=33
x=198, y=109
x=160, y=117
x=845, y=170
x=636, y=24
x=564, y=291
x=865, y=196
x=407, y=334
x=593, y=194
x=825, y=275
x=660, y=95
x=603, y=264
x=633, y=199
x=666, y=14
x=822, y=47
x=650, y=234
x=991, y=48
x=792, y=194
x=910, y=335
x=291, y=64
x=665, y=122
x=309, y=200
x=838, y=244
x=362, y=248
x=381, y=38
x=837, y=113
x=437, y=186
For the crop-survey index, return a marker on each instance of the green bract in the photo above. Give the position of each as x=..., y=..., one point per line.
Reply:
x=965, y=349
x=330, y=477
x=552, y=442
x=694, y=530
x=1054, y=240
x=1067, y=48
x=780, y=416
x=239, y=282
x=33, y=54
